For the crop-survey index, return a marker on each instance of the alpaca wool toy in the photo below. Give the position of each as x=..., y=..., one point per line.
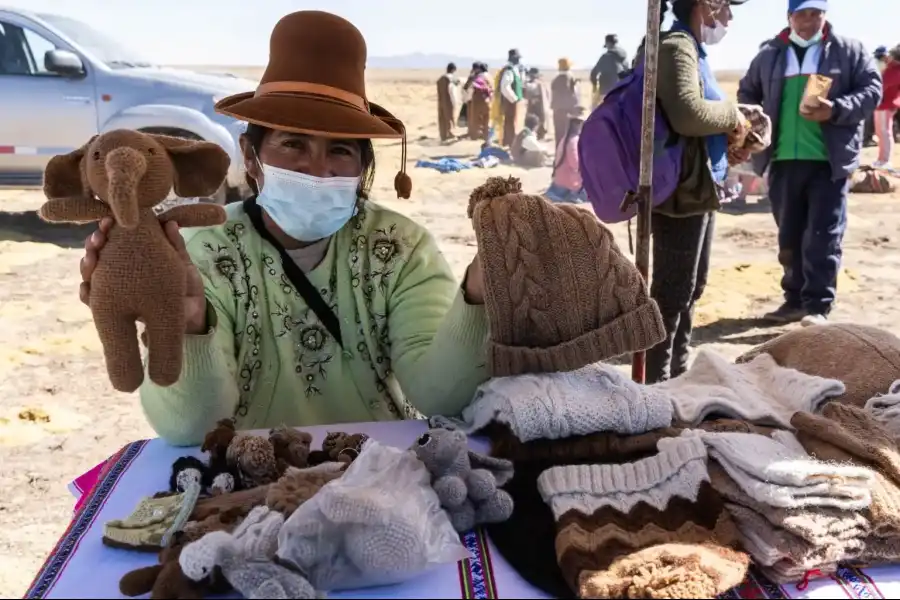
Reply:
x=216, y=442
x=466, y=482
x=291, y=447
x=124, y=174
x=254, y=458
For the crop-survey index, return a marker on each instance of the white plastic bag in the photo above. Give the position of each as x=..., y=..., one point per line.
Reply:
x=380, y=523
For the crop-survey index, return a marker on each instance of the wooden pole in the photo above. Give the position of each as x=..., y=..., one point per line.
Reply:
x=645, y=179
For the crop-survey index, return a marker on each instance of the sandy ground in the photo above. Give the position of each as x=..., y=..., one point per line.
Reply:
x=59, y=416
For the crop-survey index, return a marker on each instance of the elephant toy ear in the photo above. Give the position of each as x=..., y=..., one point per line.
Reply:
x=63, y=175
x=199, y=167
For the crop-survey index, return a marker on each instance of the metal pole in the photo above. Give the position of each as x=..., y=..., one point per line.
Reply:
x=645, y=181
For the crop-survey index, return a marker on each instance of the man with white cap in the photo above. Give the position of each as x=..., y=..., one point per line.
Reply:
x=816, y=147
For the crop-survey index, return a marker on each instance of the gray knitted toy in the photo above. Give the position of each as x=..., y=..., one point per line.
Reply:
x=245, y=557
x=466, y=482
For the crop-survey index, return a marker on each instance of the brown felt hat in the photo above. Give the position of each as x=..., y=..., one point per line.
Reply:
x=315, y=84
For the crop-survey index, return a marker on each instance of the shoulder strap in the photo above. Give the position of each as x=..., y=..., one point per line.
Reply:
x=307, y=290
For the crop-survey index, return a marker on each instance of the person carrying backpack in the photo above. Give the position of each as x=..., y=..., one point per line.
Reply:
x=682, y=226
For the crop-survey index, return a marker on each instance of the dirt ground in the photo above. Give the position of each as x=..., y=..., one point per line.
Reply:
x=59, y=415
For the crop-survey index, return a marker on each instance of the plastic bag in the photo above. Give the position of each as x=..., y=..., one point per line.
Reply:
x=380, y=523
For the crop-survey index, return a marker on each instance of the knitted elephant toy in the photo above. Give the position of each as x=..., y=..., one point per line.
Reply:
x=124, y=174
x=245, y=558
x=466, y=482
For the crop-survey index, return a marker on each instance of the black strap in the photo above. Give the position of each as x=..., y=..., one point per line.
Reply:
x=307, y=290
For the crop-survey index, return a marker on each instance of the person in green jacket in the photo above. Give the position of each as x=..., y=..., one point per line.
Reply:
x=313, y=305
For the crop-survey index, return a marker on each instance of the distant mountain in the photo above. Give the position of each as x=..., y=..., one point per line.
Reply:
x=419, y=60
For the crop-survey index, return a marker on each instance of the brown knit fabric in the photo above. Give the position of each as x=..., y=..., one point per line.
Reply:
x=866, y=359
x=124, y=174
x=883, y=514
x=602, y=447
x=854, y=430
x=819, y=526
x=668, y=571
x=558, y=293
x=243, y=502
x=297, y=486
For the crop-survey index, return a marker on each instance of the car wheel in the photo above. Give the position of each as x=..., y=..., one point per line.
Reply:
x=224, y=194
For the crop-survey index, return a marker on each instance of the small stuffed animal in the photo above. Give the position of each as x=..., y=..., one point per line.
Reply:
x=186, y=471
x=466, y=482
x=291, y=447
x=339, y=446
x=245, y=559
x=217, y=441
x=124, y=174
x=254, y=458
x=221, y=478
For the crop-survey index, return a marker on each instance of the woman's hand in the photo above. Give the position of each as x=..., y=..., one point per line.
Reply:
x=473, y=284
x=194, y=299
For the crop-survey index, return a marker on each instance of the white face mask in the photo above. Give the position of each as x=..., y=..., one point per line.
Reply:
x=712, y=35
x=307, y=208
x=795, y=38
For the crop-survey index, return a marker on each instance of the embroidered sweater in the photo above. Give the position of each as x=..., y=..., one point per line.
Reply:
x=412, y=346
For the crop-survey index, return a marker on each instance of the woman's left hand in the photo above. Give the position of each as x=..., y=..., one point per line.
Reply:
x=473, y=284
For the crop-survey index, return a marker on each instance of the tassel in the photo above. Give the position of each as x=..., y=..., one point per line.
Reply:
x=403, y=182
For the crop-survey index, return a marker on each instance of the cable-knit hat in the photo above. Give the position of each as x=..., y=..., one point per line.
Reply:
x=558, y=292
x=866, y=359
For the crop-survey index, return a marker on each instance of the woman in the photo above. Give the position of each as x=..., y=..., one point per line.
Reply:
x=313, y=305
x=682, y=227
x=566, y=185
x=479, y=112
x=887, y=110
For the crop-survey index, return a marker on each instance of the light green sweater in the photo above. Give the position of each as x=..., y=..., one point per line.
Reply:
x=412, y=345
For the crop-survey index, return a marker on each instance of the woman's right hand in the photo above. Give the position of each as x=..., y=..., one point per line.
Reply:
x=194, y=298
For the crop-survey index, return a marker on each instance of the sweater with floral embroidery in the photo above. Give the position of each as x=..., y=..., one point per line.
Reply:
x=412, y=346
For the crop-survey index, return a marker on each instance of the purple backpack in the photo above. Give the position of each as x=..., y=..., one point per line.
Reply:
x=609, y=151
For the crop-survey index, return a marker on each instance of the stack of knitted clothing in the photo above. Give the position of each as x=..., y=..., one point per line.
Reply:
x=606, y=515
x=795, y=513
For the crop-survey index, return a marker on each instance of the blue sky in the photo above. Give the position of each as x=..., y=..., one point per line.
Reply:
x=235, y=32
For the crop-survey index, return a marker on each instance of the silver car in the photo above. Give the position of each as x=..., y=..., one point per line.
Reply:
x=62, y=82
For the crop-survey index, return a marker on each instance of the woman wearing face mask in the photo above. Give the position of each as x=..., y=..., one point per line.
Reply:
x=313, y=305
x=682, y=227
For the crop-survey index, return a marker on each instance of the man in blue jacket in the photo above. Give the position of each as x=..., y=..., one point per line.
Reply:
x=814, y=150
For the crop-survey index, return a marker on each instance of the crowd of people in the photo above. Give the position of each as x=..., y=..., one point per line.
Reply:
x=814, y=152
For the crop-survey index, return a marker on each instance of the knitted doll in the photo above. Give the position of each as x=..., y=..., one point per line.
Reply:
x=221, y=478
x=124, y=174
x=339, y=446
x=254, y=458
x=245, y=558
x=217, y=441
x=186, y=471
x=291, y=447
x=465, y=481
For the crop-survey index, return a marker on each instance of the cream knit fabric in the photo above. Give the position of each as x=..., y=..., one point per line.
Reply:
x=777, y=471
x=596, y=398
x=759, y=391
x=676, y=471
x=886, y=409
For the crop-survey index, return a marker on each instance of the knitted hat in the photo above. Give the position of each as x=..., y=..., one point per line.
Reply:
x=591, y=399
x=818, y=525
x=605, y=511
x=558, y=292
x=777, y=471
x=866, y=359
x=852, y=429
x=669, y=571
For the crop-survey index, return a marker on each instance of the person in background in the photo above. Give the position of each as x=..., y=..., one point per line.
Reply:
x=682, y=226
x=537, y=97
x=887, y=110
x=612, y=63
x=380, y=331
x=526, y=150
x=814, y=150
x=510, y=96
x=566, y=185
x=880, y=56
x=447, y=97
x=479, y=106
x=564, y=100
